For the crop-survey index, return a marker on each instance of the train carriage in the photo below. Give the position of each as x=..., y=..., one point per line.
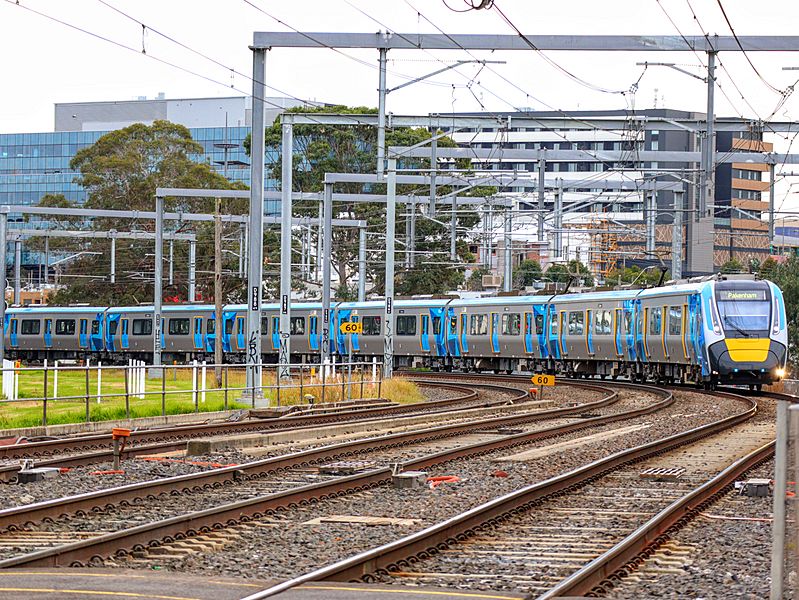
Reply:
x=725, y=329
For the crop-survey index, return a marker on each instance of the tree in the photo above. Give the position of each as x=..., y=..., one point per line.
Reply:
x=732, y=266
x=786, y=276
x=560, y=273
x=122, y=171
x=767, y=268
x=322, y=149
x=475, y=281
x=634, y=274
x=527, y=273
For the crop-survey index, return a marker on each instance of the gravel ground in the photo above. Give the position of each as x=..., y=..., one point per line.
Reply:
x=291, y=547
x=81, y=479
x=726, y=559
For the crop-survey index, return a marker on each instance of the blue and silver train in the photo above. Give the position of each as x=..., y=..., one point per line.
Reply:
x=725, y=329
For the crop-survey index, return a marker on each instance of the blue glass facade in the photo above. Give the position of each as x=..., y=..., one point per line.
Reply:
x=35, y=164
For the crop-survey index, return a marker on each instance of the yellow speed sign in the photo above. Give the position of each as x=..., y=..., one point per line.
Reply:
x=545, y=380
x=348, y=327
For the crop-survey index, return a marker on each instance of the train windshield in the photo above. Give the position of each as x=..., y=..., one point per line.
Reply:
x=744, y=312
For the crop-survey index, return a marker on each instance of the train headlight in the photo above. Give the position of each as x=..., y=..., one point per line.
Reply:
x=780, y=373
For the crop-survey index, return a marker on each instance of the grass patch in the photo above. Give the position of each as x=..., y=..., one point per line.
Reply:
x=70, y=405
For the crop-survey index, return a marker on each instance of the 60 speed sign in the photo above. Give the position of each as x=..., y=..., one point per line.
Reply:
x=348, y=327
x=544, y=380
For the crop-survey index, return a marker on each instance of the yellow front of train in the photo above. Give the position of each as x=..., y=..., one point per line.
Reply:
x=748, y=334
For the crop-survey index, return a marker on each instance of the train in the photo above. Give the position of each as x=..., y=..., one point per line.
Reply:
x=715, y=330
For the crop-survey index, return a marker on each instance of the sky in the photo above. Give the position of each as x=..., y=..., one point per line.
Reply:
x=91, y=50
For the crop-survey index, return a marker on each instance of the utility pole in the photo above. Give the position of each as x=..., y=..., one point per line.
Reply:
x=558, y=224
x=361, y=264
x=433, y=171
x=381, y=111
x=155, y=372
x=192, y=270
x=284, y=352
x=46, y=262
x=542, y=168
x=17, y=271
x=507, y=280
x=171, y=262
x=453, y=225
x=3, y=229
x=771, y=208
x=256, y=230
x=113, y=276
x=391, y=205
x=708, y=172
x=327, y=254
x=218, y=329
x=677, y=237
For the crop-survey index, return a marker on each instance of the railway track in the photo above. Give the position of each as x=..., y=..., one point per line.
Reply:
x=585, y=565
x=97, y=448
x=191, y=525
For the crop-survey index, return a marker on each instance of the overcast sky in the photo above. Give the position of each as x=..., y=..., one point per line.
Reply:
x=44, y=61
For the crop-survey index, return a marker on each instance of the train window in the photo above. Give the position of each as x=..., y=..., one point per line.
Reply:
x=112, y=327
x=453, y=324
x=436, y=325
x=478, y=325
x=264, y=325
x=607, y=322
x=576, y=319
x=297, y=326
x=511, y=324
x=13, y=325
x=313, y=324
x=371, y=325
x=228, y=326
x=628, y=321
x=539, y=323
x=142, y=326
x=210, y=326
x=425, y=325
x=65, y=326
x=198, y=325
x=406, y=325
x=655, y=321
x=553, y=328
x=179, y=326
x=675, y=320
x=95, y=327
x=31, y=327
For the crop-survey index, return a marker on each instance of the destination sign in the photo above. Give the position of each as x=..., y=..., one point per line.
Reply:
x=742, y=295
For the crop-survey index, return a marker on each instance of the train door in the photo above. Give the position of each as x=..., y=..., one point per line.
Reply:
x=356, y=343
x=341, y=316
x=313, y=332
x=464, y=340
x=197, y=330
x=643, y=324
x=589, y=331
x=275, y=333
x=83, y=338
x=684, y=337
x=697, y=331
x=436, y=316
x=48, y=333
x=452, y=333
x=112, y=322
x=424, y=339
x=96, y=337
x=12, y=333
x=210, y=335
x=528, y=332
x=540, y=323
x=664, y=325
x=227, y=329
x=124, y=340
x=617, y=335
x=562, y=342
x=241, y=334
x=495, y=332
x=554, y=333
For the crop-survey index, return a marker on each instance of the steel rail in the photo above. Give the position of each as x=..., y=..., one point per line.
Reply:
x=159, y=434
x=13, y=517
x=432, y=540
x=603, y=573
x=153, y=534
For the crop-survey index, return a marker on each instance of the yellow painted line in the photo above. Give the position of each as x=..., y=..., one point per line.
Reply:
x=119, y=576
x=95, y=593
x=410, y=592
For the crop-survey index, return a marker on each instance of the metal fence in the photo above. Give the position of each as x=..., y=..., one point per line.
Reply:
x=205, y=386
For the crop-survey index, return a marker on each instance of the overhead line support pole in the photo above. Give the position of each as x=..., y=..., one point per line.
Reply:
x=433, y=171
x=453, y=226
x=218, y=329
x=113, y=275
x=192, y=271
x=771, y=208
x=284, y=351
x=558, y=224
x=391, y=205
x=508, y=275
x=381, y=113
x=362, y=264
x=677, y=237
x=256, y=229
x=17, y=272
x=155, y=372
x=327, y=256
x=3, y=229
x=542, y=167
